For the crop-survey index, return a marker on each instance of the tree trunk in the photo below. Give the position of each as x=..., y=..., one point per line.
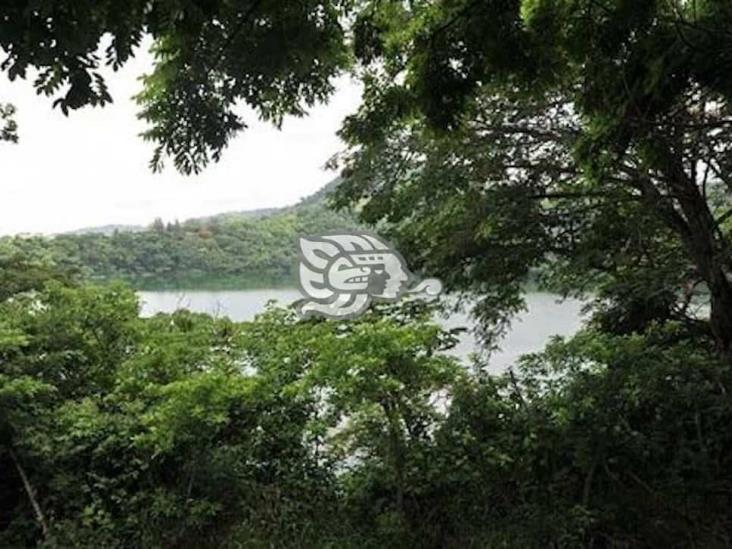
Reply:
x=706, y=247
x=30, y=492
x=721, y=312
x=396, y=443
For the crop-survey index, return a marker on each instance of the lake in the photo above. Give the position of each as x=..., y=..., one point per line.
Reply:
x=546, y=316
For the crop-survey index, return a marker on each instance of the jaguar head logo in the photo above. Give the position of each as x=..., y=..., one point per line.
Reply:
x=340, y=274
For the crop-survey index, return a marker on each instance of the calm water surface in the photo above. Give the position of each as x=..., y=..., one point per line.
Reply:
x=546, y=316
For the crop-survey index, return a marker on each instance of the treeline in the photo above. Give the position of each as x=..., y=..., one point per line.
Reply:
x=234, y=250
x=184, y=430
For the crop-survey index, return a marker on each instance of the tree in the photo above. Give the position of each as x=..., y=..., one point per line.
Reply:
x=277, y=57
x=381, y=387
x=593, y=136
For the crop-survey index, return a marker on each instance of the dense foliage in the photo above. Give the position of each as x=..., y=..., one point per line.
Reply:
x=185, y=430
x=227, y=250
x=588, y=140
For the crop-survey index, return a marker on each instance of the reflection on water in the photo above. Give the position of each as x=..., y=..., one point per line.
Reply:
x=546, y=316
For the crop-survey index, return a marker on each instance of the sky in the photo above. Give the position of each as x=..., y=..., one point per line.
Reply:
x=91, y=168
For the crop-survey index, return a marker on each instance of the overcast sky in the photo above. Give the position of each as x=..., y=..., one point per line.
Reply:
x=92, y=168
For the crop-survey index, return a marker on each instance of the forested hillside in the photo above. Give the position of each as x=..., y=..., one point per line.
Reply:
x=233, y=249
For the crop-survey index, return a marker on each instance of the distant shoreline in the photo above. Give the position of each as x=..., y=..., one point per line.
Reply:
x=202, y=283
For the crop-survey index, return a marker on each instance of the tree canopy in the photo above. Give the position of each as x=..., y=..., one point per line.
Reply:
x=277, y=57
x=591, y=138
x=587, y=141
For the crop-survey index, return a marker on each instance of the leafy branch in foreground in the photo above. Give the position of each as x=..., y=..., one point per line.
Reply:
x=8, y=126
x=187, y=429
x=277, y=58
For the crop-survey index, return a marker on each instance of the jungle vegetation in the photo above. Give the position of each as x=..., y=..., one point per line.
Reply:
x=588, y=140
x=236, y=250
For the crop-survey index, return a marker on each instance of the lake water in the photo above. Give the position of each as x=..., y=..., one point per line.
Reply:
x=530, y=331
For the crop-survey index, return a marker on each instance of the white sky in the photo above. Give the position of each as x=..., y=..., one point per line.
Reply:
x=92, y=168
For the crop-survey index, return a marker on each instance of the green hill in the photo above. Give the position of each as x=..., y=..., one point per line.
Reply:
x=240, y=249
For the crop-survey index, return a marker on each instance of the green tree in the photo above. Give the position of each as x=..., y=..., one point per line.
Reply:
x=382, y=387
x=277, y=57
x=592, y=138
